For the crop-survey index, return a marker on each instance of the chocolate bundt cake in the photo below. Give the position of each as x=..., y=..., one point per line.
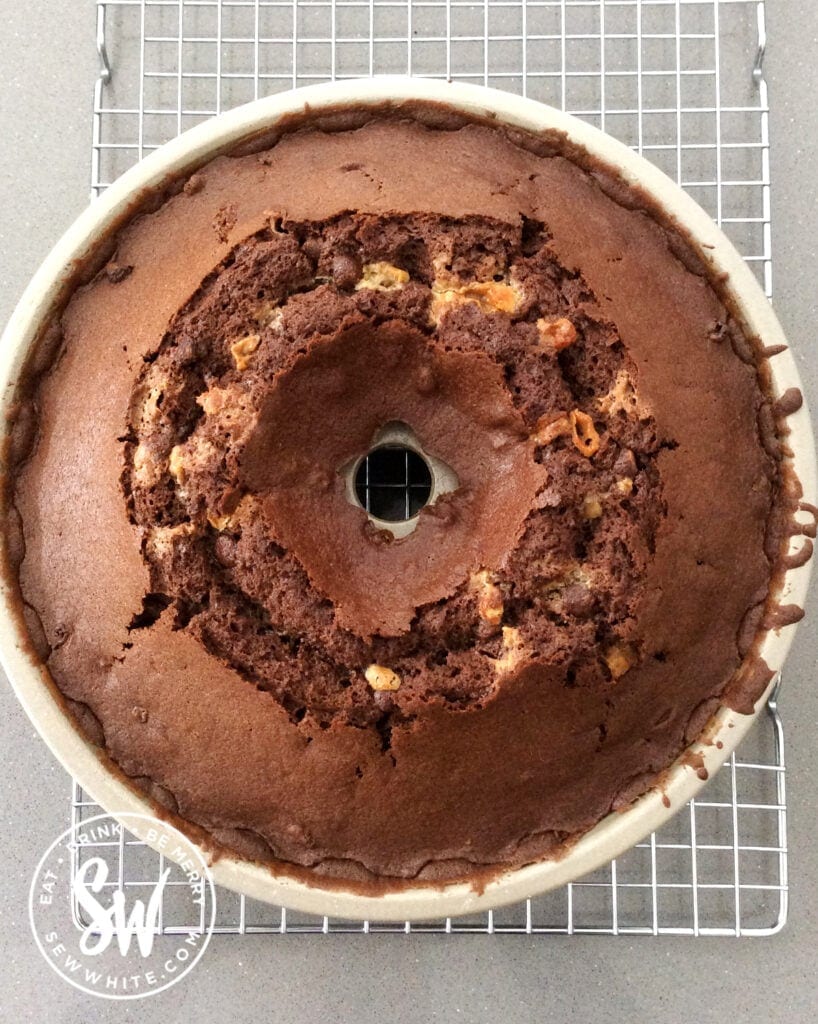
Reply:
x=472, y=685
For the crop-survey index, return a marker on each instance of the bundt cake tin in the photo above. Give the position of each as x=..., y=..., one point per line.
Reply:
x=431, y=897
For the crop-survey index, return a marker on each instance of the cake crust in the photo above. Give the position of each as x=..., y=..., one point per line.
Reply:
x=437, y=777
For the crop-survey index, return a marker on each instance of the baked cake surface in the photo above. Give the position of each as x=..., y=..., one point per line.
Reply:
x=273, y=666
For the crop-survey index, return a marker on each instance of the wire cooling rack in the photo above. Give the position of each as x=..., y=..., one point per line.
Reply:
x=680, y=81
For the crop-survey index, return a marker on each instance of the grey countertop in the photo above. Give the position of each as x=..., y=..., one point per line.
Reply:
x=47, y=66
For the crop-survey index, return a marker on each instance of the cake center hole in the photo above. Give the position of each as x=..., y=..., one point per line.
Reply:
x=393, y=483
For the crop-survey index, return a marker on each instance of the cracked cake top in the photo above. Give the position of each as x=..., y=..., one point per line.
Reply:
x=270, y=662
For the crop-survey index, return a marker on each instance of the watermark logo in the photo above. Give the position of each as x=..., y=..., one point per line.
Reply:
x=115, y=919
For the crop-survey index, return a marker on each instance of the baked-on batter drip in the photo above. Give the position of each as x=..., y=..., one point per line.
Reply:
x=240, y=639
x=297, y=349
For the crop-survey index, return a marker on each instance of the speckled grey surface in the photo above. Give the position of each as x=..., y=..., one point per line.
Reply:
x=47, y=65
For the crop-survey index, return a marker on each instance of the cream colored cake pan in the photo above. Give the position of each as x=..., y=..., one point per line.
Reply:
x=618, y=831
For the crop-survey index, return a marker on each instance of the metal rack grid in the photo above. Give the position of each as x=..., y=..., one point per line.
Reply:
x=393, y=483
x=680, y=81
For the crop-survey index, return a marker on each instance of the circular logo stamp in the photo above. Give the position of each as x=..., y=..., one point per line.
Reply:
x=122, y=912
